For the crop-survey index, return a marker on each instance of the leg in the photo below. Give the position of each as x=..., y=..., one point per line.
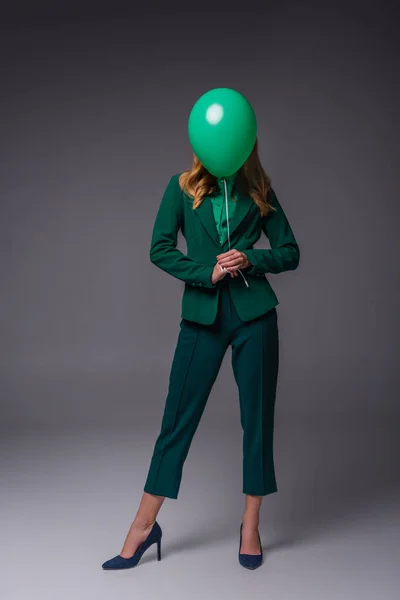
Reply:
x=255, y=359
x=251, y=520
x=197, y=360
x=195, y=366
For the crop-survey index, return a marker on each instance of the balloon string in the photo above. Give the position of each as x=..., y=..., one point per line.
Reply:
x=227, y=222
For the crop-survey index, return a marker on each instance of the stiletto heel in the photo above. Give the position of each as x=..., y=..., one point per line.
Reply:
x=119, y=562
x=159, y=549
x=250, y=561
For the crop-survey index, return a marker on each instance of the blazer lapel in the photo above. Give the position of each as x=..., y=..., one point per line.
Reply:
x=205, y=214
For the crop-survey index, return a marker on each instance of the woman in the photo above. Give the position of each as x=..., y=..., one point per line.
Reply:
x=227, y=300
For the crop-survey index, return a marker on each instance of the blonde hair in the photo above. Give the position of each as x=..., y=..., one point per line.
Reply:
x=197, y=182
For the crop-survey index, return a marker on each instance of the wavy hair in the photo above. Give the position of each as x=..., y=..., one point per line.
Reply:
x=197, y=182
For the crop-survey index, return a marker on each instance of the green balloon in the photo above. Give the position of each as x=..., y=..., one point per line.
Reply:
x=222, y=130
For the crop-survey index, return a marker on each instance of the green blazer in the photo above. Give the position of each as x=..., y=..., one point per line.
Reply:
x=200, y=296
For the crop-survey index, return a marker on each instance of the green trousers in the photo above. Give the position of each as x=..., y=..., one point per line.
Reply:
x=195, y=366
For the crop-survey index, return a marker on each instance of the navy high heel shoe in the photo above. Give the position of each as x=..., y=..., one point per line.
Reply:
x=119, y=562
x=250, y=561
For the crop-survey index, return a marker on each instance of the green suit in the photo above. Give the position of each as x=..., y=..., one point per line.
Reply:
x=215, y=317
x=200, y=295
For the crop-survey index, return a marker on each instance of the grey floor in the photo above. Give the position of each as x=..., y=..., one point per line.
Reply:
x=331, y=531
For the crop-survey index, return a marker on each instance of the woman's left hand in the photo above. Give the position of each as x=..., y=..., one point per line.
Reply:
x=233, y=260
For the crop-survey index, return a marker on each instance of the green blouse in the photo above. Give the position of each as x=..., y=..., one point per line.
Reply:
x=219, y=206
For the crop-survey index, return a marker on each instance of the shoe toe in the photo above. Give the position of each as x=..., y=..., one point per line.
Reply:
x=250, y=561
x=117, y=562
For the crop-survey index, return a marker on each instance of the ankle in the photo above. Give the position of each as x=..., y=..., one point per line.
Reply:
x=144, y=522
x=250, y=522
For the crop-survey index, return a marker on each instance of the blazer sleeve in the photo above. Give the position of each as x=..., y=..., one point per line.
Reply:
x=163, y=251
x=284, y=254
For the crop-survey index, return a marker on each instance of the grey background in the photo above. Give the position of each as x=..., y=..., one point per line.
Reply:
x=94, y=107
